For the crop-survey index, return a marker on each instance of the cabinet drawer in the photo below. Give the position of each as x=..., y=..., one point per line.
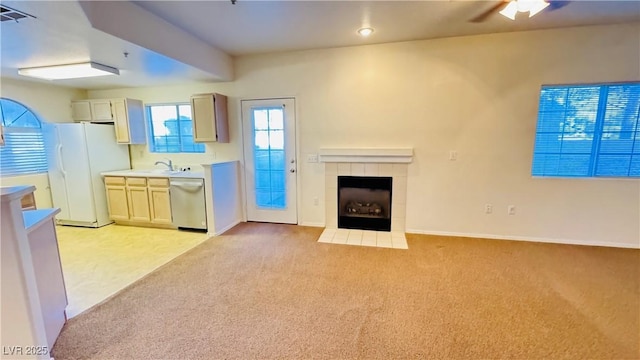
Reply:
x=159, y=182
x=136, y=181
x=114, y=180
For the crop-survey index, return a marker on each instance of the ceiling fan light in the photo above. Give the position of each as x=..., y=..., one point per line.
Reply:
x=510, y=10
x=537, y=6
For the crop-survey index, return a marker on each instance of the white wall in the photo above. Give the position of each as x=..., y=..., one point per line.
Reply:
x=141, y=158
x=51, y=104
x=477, y=95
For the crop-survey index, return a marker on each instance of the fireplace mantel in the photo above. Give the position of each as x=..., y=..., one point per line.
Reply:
x=366, y=155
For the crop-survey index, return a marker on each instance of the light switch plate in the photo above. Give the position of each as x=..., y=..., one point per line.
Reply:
x=312, y=158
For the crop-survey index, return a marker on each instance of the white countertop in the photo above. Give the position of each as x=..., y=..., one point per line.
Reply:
x=33, y=218
x=15, y=192
x=156, y=173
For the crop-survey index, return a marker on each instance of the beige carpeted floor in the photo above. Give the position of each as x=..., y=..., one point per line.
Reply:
x=265, y=291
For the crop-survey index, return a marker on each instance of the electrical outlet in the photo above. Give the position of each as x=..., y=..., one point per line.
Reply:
x=488, y=209
x=453, y=155
x=316, y=201
x=511, y=209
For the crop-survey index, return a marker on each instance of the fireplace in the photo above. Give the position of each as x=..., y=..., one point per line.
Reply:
x=364, y=202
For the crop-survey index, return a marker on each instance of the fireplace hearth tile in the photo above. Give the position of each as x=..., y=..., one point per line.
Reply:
x=354, y=238
x=391, y=240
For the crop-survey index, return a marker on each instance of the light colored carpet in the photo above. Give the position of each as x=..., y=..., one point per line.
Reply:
x=266, y=291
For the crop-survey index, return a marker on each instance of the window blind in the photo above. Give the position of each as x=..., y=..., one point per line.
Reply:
x=23, y=152
x=588, y=131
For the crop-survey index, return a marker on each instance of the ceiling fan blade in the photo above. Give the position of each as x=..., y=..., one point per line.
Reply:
x=555, y=5
x=483, y=16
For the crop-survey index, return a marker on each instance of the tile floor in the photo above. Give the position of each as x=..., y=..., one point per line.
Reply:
x=98, y=263
x=394, y=239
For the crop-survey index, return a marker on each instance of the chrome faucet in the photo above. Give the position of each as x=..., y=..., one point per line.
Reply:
x=169, y=164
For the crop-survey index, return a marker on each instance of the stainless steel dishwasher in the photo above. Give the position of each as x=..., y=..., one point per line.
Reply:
x=187, y=203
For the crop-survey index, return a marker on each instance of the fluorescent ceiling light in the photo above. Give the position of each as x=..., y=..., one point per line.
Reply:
x=69, y=71
x=531, y=6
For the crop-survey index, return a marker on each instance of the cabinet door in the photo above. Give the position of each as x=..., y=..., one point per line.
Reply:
x=204, y=118
x=81, y=110
x=160, y=203
x=101, y=110
x=139, y=203
x=121, y=121
x=117, y=202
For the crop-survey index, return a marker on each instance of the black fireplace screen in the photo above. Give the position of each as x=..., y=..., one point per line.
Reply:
x=364, y=202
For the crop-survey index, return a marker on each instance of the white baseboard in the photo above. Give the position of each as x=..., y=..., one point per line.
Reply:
x=524, y=238
x=228, y=227
x=312, y=224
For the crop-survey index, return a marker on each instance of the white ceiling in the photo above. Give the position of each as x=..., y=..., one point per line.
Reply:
x=63, y=33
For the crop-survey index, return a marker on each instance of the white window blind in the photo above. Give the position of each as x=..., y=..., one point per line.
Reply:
x=24, y=150
x=588, y=131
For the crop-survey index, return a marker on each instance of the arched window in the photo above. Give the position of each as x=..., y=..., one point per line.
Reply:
x=24, y=150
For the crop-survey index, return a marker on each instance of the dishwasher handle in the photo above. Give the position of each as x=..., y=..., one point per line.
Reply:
x=189, y=186
x=186, y=183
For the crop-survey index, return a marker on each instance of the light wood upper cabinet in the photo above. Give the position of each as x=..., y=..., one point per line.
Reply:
x=129, y=121
x=91, y=110
x=81, y=110
x=210, y=120
x=101, y=110
x=126, y=114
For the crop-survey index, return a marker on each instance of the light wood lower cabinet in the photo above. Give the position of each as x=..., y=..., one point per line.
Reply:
x=139, y=200
x=117, y=198
x=159, y=201
x=138, y=196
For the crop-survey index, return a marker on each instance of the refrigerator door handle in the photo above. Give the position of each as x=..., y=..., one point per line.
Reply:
x=60, y=164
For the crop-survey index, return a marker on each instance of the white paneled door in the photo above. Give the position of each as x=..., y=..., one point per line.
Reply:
x=270, y=164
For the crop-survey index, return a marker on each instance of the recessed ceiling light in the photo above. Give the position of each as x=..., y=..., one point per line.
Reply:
x=365, y=32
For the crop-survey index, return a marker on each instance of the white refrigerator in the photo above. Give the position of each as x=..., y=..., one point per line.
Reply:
x=77, y=154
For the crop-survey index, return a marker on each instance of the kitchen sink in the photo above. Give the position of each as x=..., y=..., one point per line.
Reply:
x=158, y=171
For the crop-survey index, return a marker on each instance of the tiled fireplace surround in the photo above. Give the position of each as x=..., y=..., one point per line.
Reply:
x=367, y=162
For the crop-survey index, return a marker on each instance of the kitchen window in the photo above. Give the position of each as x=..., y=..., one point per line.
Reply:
x=588, y=131
x=171, y=129
x=24, y=151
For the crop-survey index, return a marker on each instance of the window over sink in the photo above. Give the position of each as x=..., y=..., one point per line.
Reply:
x=171, y=129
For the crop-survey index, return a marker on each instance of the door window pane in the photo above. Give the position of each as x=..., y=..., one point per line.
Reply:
x=269, y=158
